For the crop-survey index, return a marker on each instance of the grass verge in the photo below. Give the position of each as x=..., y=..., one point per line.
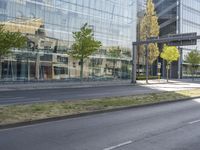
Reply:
x=28, y=112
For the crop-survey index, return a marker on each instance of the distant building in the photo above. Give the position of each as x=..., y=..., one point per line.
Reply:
x=176, y=17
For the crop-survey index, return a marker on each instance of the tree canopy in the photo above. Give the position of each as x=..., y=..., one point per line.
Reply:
x=170, y=54
x=149, y=27
x=114, y=52
x=84, y=45
x=193, y=58
x=9, y=40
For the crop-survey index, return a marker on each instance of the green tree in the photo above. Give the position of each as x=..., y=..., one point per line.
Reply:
x=149, y=27
x=193, y=58
x=114, y=53
x=84, y=45
x=9, y=40
x=170, y=54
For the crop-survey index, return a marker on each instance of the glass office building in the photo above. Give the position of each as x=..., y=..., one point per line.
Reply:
x=167, y=11
x=189, y=22
x=176, y=17
x=48, y=25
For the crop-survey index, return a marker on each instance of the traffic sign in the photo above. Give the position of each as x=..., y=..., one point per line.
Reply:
x=159, y=65
x=180, y=39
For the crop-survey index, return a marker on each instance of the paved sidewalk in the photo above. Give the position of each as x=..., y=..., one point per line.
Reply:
x=160, y=85
x=52, y=85
x=173, y=85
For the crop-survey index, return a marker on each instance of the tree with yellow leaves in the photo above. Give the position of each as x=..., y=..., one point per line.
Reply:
x=170, y=54
x=149, y=27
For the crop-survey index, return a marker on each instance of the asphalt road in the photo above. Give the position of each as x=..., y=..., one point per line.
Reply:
x=60, y=94
x=174, y=126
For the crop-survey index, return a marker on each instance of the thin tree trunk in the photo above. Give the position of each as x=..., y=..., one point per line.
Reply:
x=138, y=63
x=93, y=68
x=81, y=70
x=193, y=72
x=168, y=73
x=151, y=70
x=12, y=71
x=114, y=68
x=0, y=68
x=8, y=69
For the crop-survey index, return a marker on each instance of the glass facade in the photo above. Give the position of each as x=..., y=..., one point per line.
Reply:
x=176, y=17
x=49, y=24
x=168, y=21
x=190, y=18
x=167, y=13
x=189, y=22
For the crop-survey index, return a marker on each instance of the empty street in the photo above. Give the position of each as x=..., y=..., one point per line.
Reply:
x=173, y=126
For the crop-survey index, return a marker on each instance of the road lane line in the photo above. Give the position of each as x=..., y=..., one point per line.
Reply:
x=119, y=145
x=193, y=122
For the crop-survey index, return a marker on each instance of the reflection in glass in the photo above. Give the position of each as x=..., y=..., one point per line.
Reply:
x=48, y=25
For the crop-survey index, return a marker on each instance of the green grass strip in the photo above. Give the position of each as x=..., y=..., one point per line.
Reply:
x=27, y=112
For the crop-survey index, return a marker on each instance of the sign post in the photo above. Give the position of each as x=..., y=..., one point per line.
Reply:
x=159, y=71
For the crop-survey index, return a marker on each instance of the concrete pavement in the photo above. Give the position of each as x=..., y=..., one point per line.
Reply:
x=174, y=126
x=14, y=86
x=173, y=85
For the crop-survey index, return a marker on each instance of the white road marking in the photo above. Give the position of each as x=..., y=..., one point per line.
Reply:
x=119, y=145
x=193, y=122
